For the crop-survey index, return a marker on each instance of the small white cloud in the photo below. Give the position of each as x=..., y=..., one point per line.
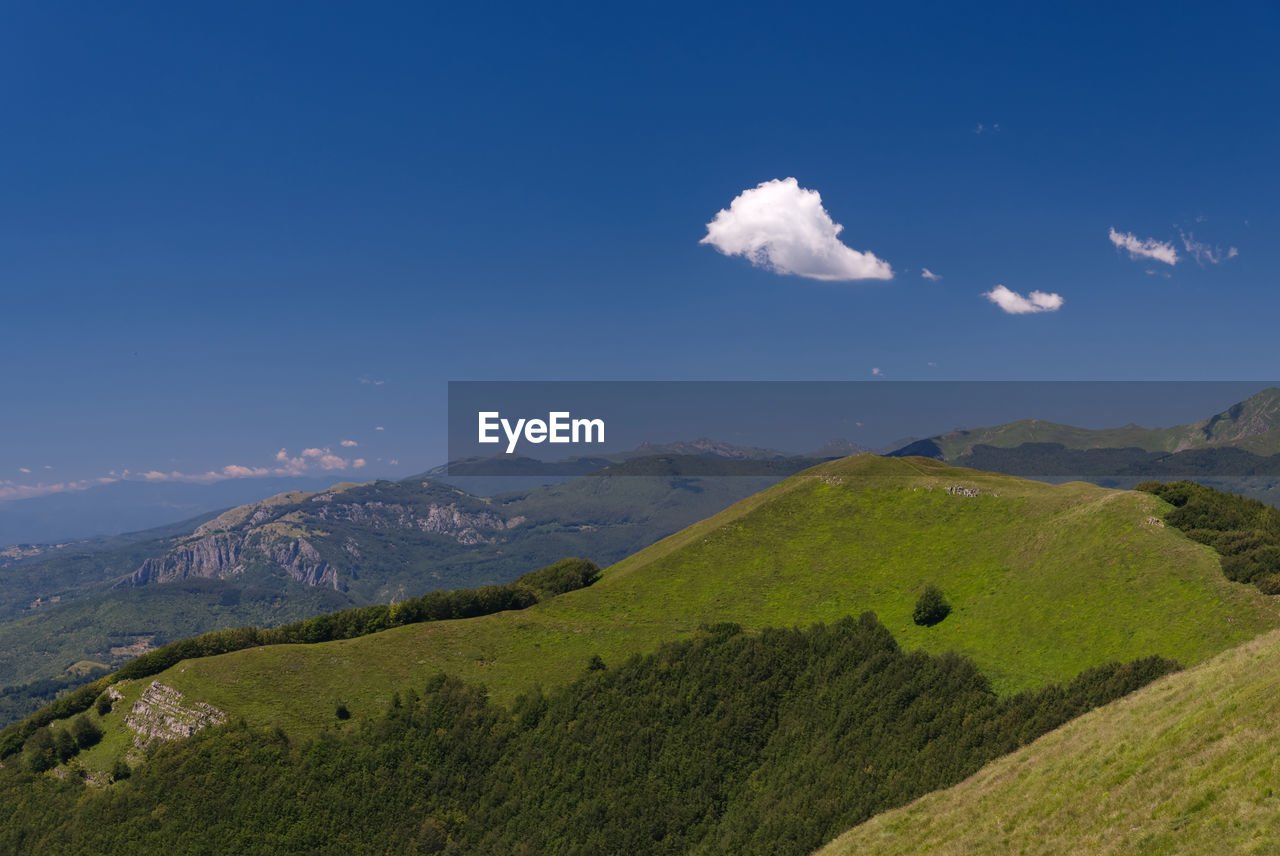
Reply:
x=379, y=428
x=358, y=463
x=1015, y=304
x=932, y=364
x=236, y=471
x=1140, y=249
x=877, y=371
x=368, y=381
x=1232, y=252
x=23, y=470
x=349, y=444
x=782, y=227
x=395, y=462
x=930, y=275
x=322, y=458
x=47, y=467
x=980, y=128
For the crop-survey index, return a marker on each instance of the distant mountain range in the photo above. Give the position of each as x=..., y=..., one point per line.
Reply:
x=1237, y=449
x=1252, y=425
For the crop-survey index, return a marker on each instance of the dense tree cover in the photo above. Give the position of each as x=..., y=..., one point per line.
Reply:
x=23, y=699
x=558, y=578
x=731, y=743
x=1245, y=531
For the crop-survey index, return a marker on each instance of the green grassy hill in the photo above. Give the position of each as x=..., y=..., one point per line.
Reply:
x=1044, y=581
x=1189, y=765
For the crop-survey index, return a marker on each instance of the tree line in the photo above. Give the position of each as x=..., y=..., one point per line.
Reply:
x=1244, y=531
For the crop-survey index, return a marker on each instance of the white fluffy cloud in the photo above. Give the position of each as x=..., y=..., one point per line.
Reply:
x=1140, y=249
x=348, y=444
x=1015, y=304
x=780, y=226
x=930, y=275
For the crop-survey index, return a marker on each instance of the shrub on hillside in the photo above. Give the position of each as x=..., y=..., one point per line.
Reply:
x=84, y=732
x=931, y=607
x=565, y=575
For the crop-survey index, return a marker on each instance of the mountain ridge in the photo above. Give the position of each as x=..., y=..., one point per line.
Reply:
x=1252, y=424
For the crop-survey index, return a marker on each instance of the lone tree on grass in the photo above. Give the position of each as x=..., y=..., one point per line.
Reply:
x=931, y=608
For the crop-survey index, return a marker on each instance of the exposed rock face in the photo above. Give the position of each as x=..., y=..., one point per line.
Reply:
x=303, y=563
x=160, y=714
x=438, y=519
x=290, y=533
x=216, y=555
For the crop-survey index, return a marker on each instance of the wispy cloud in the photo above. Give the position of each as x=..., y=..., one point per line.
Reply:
x=1139, y=249
x=877, y=371
x=13, y=490
x=379, y=428
x=368, y=381
x=348, y=444
x=980, y=128
x=1203, y=252
x=1015, y=304
x=782, y=227
x=930, y=275
x=311, y=459
x=230, y=471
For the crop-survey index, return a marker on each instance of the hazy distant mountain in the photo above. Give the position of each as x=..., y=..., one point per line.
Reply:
x=1252, y=425
x=129, y=506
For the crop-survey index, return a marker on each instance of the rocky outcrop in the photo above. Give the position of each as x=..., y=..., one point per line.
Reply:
x=438, y=519
x=302, y=561
x=290, y=536
x=161, y=714
x=217, y=555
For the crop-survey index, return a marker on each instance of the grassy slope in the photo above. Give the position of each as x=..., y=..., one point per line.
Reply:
x=1044, y=580
x=1188, y=765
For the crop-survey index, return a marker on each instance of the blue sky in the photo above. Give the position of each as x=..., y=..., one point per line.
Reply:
x=244, y=228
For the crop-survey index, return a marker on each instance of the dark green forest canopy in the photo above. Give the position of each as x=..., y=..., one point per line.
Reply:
x=733, y=743
x=1245, y=531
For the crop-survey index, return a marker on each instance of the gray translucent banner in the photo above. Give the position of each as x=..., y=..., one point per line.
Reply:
x=1096, y=430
